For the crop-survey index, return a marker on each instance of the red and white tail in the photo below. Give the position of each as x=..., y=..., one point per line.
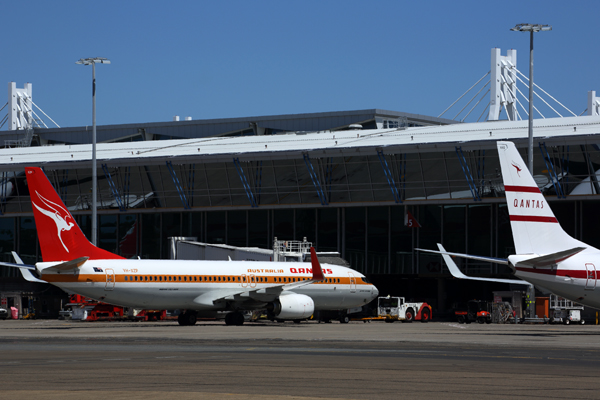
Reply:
x=535, y=228
x=59, y=235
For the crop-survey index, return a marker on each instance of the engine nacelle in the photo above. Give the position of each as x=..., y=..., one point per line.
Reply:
x=292, y=306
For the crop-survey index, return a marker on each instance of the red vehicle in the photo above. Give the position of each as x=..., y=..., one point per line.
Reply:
x=477, y=310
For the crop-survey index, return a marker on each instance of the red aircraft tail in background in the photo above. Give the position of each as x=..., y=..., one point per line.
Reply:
x=59, y=235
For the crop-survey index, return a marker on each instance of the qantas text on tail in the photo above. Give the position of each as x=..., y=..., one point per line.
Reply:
x=547, y=256
x=286, y=290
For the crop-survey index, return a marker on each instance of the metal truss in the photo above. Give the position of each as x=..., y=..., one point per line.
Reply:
x=395, y=174
x=480, y=169
x=591, y=169
x=4, y=190
x=253, y=185
x=115, y=191
x=183, y=193
x=564, y=173
x=324, y=173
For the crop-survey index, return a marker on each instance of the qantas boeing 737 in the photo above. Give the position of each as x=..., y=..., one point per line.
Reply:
x=286, y=290
x=546, y=255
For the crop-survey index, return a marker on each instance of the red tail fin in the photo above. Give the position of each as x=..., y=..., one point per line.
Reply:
x=59, y=235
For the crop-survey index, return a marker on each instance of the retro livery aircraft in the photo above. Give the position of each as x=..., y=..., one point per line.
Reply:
x=547, y=256
x=286, y=290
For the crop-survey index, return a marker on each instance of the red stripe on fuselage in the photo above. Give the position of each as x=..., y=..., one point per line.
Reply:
x=579, y=274
x=532, y=218
x=526, y=189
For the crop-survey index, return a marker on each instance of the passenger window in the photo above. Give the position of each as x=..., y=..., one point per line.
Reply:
x=125, y=277
x=228, y=279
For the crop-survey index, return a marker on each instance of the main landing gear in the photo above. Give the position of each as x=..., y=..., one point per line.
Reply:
x=234, y=318
x=187, y=318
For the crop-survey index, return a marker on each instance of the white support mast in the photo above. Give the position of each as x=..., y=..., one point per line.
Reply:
x=503, y=87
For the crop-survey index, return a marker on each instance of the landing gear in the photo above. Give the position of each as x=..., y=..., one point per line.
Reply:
x=234, y=318
x=187, y=318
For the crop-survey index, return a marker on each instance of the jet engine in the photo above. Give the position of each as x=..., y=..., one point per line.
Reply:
x=291, y=306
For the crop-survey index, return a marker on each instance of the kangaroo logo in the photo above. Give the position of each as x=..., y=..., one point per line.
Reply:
x=58, y=214
x=514, y=164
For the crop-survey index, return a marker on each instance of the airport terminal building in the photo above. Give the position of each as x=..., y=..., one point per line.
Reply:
x=346, y=181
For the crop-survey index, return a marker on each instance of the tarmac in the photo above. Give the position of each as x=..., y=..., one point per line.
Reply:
x=269, y=360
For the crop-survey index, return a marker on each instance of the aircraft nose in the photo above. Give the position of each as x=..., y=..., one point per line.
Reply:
x=374, y=292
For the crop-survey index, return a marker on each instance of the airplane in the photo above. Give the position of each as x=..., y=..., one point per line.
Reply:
x=288, y=291
x=547, y=256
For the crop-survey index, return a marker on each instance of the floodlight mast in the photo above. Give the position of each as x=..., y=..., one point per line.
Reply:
x=531, y=28
x=93, y=62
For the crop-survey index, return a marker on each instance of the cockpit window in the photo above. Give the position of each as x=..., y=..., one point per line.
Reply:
x=365, y=280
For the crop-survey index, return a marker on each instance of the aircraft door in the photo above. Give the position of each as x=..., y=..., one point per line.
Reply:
x=110, y=279
x=590, y=282
x=352, y=282
x=244, y=280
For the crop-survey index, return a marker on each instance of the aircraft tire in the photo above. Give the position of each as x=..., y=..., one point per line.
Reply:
x=344, y=319
x=229, y=319
x=238, y=319
x=190, y=318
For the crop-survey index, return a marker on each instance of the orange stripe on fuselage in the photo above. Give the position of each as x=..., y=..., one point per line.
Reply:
x=129, y=278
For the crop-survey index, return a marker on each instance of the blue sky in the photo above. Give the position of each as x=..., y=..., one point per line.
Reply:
x=248, y=58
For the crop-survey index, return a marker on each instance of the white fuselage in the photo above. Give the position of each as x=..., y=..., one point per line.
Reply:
x=574, y=278
x=198, y=285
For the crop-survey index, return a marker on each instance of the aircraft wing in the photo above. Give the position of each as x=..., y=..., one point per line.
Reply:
x=262, y=294
x=455, y=271
x=469, y=256
x=25, y=269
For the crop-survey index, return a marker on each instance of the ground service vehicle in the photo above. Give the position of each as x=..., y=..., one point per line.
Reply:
x=477, y=310
x=565, y=311
x=397, y=309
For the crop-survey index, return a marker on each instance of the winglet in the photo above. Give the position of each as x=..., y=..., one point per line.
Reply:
x=452, y=267
x=316, y=266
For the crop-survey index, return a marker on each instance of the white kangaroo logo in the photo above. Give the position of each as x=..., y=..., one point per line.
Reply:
x=55, y=214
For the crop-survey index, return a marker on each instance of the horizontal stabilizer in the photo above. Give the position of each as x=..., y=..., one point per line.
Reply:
x=68, y=265
x=551, y=259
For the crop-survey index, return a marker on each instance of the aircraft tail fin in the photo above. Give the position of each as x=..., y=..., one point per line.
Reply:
x=535, y=228
x=60, y=237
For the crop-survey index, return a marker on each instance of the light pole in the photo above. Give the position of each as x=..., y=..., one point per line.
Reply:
x=531, y=28
x=93, y=62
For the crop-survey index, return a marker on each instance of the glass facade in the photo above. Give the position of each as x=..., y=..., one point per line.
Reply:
x=373, y=239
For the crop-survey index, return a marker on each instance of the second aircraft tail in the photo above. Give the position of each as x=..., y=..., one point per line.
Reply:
x=535, y=228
